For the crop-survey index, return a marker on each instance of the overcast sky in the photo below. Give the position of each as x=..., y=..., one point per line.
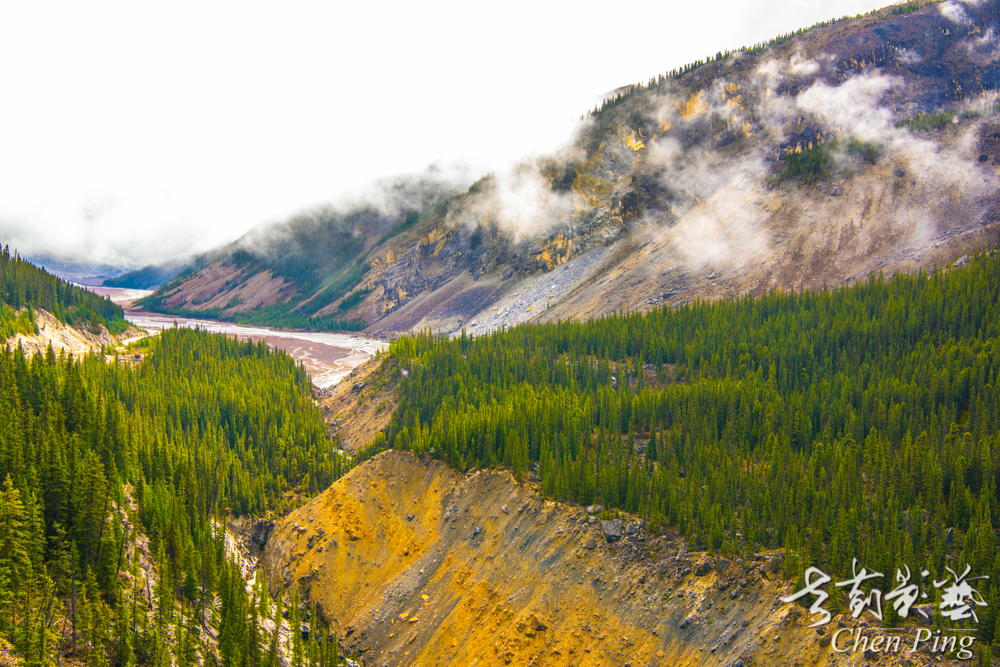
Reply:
x=131, y=134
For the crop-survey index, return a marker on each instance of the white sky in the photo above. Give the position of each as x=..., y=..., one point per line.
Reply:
x=131, y=133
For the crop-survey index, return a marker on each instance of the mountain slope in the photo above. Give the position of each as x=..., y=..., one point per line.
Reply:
x=24, y=286
x=868, y=143
x=39, y=310
x=851, y=428
x=303, y=272
x=420, y=564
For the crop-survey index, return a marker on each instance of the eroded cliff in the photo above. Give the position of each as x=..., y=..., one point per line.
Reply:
x=414, y=563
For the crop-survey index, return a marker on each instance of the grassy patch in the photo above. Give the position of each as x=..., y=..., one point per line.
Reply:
x=810, y=165
x=865, y=150
x=926, y=122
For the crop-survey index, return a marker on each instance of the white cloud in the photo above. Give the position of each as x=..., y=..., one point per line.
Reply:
x=910, y=57
x=953, y=12
x=799, y=65
x=853, y=106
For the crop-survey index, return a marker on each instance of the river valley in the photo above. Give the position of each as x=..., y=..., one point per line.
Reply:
x=328, y=357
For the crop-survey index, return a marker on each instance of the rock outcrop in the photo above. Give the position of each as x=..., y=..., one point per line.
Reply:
x=67, y=339
x=392, y=556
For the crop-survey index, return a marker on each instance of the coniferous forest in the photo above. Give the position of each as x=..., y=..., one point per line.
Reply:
x=860, y=422
x=94, y=452
x=24, y=286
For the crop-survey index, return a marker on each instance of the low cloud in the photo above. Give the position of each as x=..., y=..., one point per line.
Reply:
x=954, y=12
x=385, y=200
x=771, y=72
x=725, y=231
x=520, y=201
x=910, y=57
x=410, y=192
x=526, y=204
x=108, y=239
x=853, y=106
x=799, y=65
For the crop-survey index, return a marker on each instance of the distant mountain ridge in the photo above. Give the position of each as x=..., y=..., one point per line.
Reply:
x=863, y=144
x=148, y=277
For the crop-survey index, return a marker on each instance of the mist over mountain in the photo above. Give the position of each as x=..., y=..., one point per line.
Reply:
x=869, y=143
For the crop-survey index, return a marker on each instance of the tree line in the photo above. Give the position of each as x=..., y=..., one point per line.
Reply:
x=861, y=421
x=877, y=16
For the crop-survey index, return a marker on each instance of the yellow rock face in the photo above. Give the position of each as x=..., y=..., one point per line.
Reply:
x=554, y=252
x=416, y=564
x=633, y=142
x=436, y=233
x=695, y=106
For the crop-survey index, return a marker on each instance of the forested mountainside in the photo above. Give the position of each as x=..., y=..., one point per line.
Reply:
x=854, y=422
x=24, y=286
x=117, y=474
x=864, y=143
x=857, y=422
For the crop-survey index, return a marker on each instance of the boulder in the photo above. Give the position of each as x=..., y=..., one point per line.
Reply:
x=612, y=530
x=529, y=627
x=260, y=531
x=774, y=563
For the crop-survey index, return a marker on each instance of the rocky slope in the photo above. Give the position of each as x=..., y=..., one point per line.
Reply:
x=361, y=405
x=64, y=338
x=414, y=563
x=868, y=144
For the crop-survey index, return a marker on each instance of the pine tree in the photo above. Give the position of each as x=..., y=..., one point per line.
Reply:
x=14, y=562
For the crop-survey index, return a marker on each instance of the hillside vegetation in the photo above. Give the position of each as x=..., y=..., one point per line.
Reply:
x=858, y=422
x=96, y=456
x=24, y=286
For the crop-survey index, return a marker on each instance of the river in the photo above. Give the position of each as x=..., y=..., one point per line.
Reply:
x=328, y=357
